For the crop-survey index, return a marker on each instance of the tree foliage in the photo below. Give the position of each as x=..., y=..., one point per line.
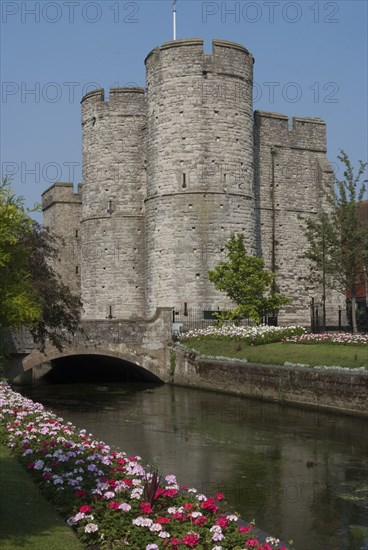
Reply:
x=245, y=281
x=338, y=236
x=18, y=298
x=32, y=294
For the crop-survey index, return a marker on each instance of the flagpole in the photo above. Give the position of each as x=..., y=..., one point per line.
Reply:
x=174, y=18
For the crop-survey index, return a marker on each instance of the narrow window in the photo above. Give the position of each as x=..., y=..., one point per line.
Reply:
x=184, y=182
x=76, y=233
x=77, y=269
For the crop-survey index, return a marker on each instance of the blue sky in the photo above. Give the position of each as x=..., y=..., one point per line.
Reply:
x=310, y=60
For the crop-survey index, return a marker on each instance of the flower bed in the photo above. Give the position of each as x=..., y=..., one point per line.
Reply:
x=328, y=338
x=109, y=498
x=255, y=336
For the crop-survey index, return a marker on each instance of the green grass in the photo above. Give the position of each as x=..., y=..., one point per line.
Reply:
x=278, y=354
x=27, y=520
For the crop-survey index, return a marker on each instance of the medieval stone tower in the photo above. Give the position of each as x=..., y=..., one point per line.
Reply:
x=170, y=172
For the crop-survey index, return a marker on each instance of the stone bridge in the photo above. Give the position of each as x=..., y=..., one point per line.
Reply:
x=139, y=345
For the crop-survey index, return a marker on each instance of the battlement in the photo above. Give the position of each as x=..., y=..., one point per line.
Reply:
x=116, y=94
x=182, y=57
x=62, y=192
x=278, y=130
x=124, y=101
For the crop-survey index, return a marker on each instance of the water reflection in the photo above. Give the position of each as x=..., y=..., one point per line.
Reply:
x=302, y=474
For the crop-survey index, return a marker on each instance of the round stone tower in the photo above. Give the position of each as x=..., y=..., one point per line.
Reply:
x=199, y=167
x=112, y=228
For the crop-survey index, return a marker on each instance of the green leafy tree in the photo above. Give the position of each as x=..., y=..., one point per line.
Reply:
x=247, y=283
x=32, y=294
x=18, y=299
x=338, y=236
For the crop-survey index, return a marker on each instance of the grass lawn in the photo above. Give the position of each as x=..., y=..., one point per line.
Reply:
x=27, y=520
x=278, y=354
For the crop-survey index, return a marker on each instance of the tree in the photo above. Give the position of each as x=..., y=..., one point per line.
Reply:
x=338, y=236
x=32, y=294
x=18, y=300
x=60, y=309
x=244, y=279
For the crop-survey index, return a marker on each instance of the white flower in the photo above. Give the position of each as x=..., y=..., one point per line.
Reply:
x=125, y=507
x=164, y=534
x=155, y=527
x=171, y=479
x=142, y=522
x=91, y=528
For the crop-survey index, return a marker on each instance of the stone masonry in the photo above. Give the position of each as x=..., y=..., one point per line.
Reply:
x=170, y=172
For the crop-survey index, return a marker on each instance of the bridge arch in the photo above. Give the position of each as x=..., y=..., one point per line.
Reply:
x=84, y=364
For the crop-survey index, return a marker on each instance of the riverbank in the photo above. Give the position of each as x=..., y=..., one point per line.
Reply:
x=333, y=389
x=27, y=519
x=108, y=497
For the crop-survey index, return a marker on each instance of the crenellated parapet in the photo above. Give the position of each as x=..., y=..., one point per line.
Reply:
x=299, y=132
x=61, y=193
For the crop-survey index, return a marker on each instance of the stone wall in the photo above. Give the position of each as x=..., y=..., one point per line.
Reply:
x=325, y=389
x=61, y=214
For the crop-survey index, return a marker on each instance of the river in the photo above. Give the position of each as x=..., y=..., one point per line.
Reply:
x=301, y=474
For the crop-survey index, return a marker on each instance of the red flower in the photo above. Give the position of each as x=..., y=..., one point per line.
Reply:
x=252, y=543
x=246, y=529
x=198, y=521
x=80, y=493
x=146, y=508
x=209, y=504
x=222, y=522
x=85, y=508
x=163, y=520
x=191, y=540
x=170, y=493
x=188, y=506
x=114, y=505
x=220, y=496
x=178, y=515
